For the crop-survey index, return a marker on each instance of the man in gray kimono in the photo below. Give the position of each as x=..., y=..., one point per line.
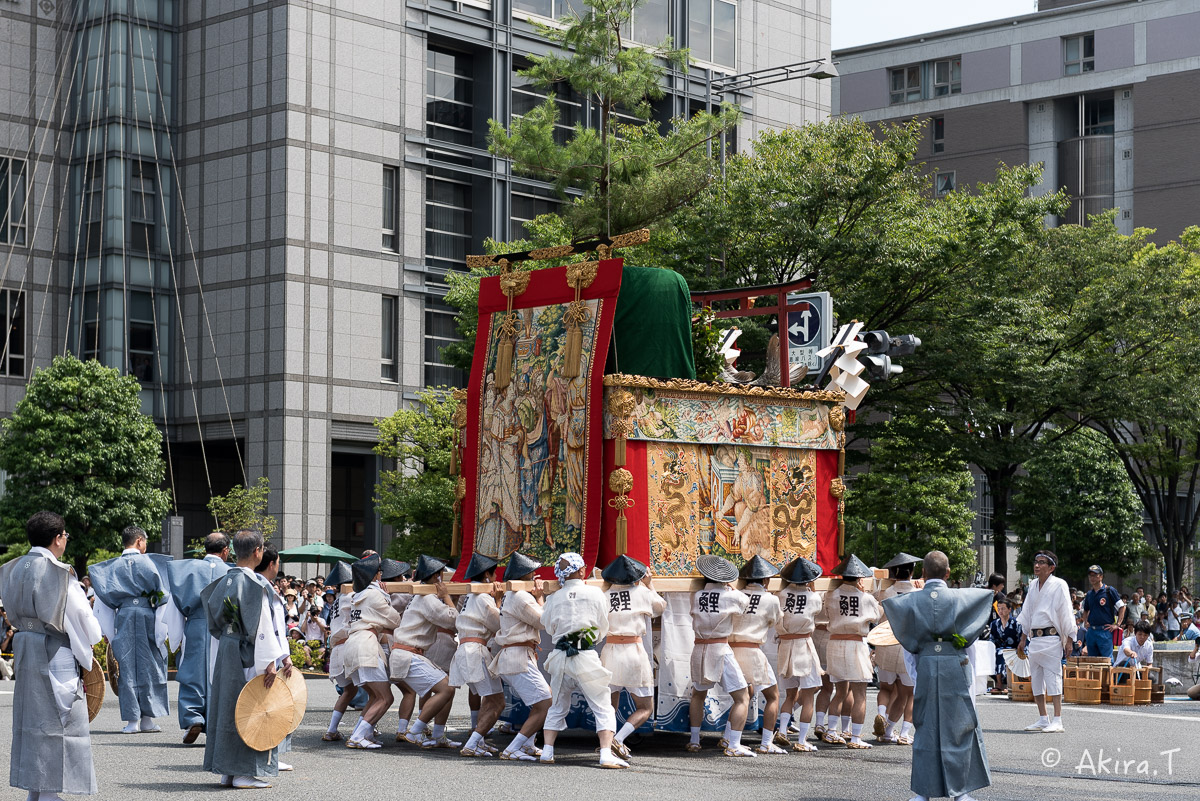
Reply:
x=188, y=578
x=238, y=610
x=51, y=746
x=131, y=605
x=936, y=626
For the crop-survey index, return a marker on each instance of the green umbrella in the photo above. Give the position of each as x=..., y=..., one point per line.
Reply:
x=315, y=552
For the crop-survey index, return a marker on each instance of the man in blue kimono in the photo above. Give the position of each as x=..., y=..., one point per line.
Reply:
x=188, y=578
x=936, y=627
x=131, y=605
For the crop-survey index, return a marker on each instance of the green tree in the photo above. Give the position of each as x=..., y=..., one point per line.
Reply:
x=912, y=498
x=1076, y=500
x=78, y=444
x=244, y=508
x=616, y=176
x=417, y=497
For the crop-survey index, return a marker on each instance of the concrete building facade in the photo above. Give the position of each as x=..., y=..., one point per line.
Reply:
x=1101, y=92
x=252, y=207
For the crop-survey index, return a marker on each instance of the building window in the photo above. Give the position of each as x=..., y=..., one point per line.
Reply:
x=440, y=332
x=551, y=9
x=947, y=76
x=939, y=134
x=449, y=90
x=712, y=31
x=526, y=96
x=906, y=84
x=943, y=183
x=529, y=202
x=13, y=194
x=143, y=205
x=1099, y=116
x=1079, y=54
x=389, y=369
x=12, y=307
x=91, y=232
x=141, y=337
x=391, y=209
x=447, y=219
x=650, y=23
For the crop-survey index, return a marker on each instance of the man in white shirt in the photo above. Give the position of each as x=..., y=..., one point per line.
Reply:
x=51, y=743
x=1138, y=650
x=1047, y=623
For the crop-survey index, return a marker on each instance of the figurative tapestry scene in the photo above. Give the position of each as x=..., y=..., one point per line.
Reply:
x=537, y=428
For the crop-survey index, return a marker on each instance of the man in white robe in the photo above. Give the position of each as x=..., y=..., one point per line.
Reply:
x=51, y=746
x=1047, y=623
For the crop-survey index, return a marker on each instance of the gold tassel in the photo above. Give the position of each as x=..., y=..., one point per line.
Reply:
x=620, y=455
x=620, y=409
x=572, y=352
x=460, y=493
x=504, y=359
x=622, y=534
x=620, y=481
x=454, y=455
x=455, y=539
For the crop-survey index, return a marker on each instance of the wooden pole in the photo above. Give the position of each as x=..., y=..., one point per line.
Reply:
x=661, y=584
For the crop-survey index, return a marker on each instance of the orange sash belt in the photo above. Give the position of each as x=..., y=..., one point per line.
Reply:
x=744, y=644
x=793, y=636
x=713, y=641
x=623, y=639
x=849, y=637
x=479, y=640
x=402, y=647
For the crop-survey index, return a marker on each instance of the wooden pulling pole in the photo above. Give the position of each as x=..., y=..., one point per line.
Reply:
x=661, y=584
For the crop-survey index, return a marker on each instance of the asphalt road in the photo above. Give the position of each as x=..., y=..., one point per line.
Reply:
x=1158, y=758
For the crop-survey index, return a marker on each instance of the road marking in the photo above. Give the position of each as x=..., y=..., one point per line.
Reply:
x=6, y=692
x=1132, y=712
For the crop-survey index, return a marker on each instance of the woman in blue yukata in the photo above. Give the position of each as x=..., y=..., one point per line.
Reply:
x=1005, y=632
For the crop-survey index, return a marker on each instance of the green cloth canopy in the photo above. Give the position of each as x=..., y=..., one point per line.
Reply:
x=652, y=329
x=315, y=552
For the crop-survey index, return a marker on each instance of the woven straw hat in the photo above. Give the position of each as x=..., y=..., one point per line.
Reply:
x=264, y=716
x=114, y=669
x=299, y=688
x=882, y=635
x=93, y=688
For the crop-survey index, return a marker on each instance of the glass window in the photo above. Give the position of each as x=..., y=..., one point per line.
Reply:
x=89, y=348
x=906, y=84
x=1098, y=116
x=440, y=332
x=947, y=76
x=91, y=231
x=12, y=314
x=13, y=196
x=141, y=337
x=651, y=22
x=449, y=89
x=700, y=29
x=143, y=205
x=543, y=8
x=389, y=326
x=526, y=96
x=943, y=183
x=1079, y=54
x=391, y=213
x=939, y=134
x=724, y=47
x=529, y=202
x=448, y=222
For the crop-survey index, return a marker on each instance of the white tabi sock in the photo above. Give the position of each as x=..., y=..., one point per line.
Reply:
x=728, y=731
x=767, y=736
x=334, y=720
x=1057, y=720
x=474, y=719
x=855, y=731
x=735, y=739
x=818, y=718
x=881, y=710
x=695, y=735
x=625, y=731
x=845, y=723
x=438, y=731
x=891, y=728
x=362, y=730
x=417, y=726
x=605, y=754
x=803, y=735
x=517, y=744
x=475, y=739
x=547, y=753
x=147, y=722
x=907, y=728
x=784, y=719
x=1043, y=721
x=402, y=726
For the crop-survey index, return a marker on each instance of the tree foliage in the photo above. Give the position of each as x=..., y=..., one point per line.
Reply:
x=616, y=176
x=244, y=508
x=912, y=498
x=78, y=444
x=417, y=497
x=1076, y=500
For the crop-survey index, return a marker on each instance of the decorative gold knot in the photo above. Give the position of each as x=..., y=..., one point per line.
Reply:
x=460, y=489
x=837, y=418
x=581, y=274
x=514, y=283
x=620, y=503
x=621, y=404
x=577, y=313
x=837, y=488
x=620, y=481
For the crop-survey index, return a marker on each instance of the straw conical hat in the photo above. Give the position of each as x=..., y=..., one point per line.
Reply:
x=299, y=697
x=882, y=635
x=264, y=716
x=93, y=688
x=114, y=669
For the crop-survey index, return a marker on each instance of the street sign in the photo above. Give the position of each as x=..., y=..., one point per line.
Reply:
x=809, y=319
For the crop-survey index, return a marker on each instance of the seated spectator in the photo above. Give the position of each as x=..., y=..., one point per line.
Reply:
x=1004, y=632
x=313, y=627
x=1136, y=651
x=1191, y=630
x=291, y=612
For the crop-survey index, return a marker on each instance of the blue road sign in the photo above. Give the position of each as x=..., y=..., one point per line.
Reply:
x=804, y=324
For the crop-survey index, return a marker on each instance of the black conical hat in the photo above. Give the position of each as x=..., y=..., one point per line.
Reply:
x=428, y=567
x=339, y=574
x=758, y=569
x=479, y=565
x=393, y=569
x=903, y=558
x=853, y=568
x=624, y=570
x=714, y=568
x=802, y=571
x=519, y=565
x=364, y=571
